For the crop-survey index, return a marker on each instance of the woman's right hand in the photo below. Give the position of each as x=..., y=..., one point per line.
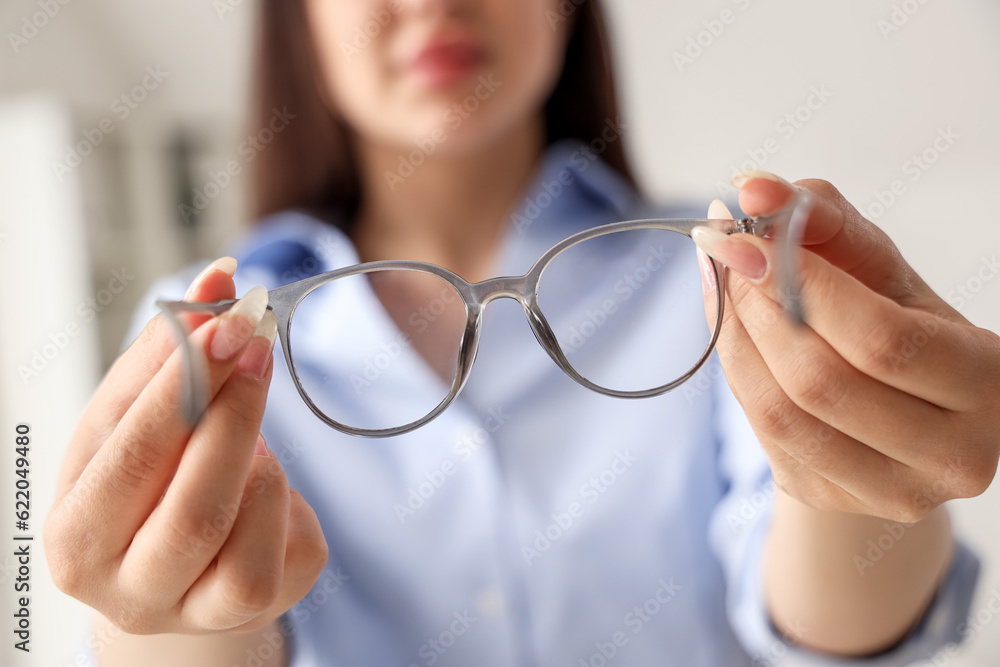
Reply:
x=163, y=528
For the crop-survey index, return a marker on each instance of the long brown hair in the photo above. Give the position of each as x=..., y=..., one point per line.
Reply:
x=309, y=164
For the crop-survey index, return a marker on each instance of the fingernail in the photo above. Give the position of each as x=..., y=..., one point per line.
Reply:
x=738, y=254
x=260, y=449
x=257, y=355
x=740, y=177
x=718, y=211
x=238, y=324
x=227, y=264
x=707, y=273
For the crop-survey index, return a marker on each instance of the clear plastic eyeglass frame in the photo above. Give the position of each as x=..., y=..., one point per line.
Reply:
x=784, y=226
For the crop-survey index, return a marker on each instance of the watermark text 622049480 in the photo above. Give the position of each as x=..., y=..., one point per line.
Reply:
x=22, y=541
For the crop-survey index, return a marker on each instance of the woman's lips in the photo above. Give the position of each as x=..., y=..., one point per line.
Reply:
x=441, y=64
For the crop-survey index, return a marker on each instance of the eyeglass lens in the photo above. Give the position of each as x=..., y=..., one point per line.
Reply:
x=378, y=350
x=627, y=308
x=381, y=349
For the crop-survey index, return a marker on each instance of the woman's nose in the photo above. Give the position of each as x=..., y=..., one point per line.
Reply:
x=431, y=7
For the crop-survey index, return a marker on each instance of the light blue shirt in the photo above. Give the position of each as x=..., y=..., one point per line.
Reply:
x=534, y=522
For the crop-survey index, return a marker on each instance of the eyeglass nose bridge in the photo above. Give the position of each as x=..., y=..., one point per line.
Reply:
x=503, y=287
x=521, y=289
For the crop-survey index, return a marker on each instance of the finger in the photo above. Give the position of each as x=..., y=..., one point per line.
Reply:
x=185, y=530
x=710, y=269
x=821, y=382
x=847, y=474
x=149, y=351
x=836, y=231
x=810, y=459
x=129, y=473
x=779, y=424
x=798, y=480
x=212, y=284
x=776, y=421
x=248, y=575
x=134, y=368
x=911, y=350
x=306, y=554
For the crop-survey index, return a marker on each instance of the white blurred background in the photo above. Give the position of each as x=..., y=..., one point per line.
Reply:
x=708, y=86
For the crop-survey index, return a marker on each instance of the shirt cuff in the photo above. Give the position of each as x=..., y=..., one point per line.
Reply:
x=943, y=626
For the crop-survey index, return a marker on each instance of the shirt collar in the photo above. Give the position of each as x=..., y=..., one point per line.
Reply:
x=573, y=188
x=573, y=183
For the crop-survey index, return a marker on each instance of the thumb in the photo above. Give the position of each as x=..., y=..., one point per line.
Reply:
x=214, y=283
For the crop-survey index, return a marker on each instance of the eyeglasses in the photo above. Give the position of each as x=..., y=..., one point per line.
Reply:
x=382, y=348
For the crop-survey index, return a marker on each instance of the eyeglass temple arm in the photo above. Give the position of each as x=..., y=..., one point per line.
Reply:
x=797, y=212
x=213, y=307
x=194, y=399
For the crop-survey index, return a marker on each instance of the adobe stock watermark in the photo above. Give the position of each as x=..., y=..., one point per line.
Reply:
x=779, y=648
x=121, y=108
x=35, y=23
x=272, y=643
x=704, y=39
x=787, y=126
x=894, y=531
x=899, y=16
x=248, y=150
x=635, y=620
x=974, y=624
x=877, y=548
x=761, y=498
x=210, y=532
x=580, y=160
x=964, y=292
x=435, y=647
x=910, y=345
x=330, y=582
x=703, y=380
x=86, y=312
x=464, y=448
x=593, y=319
x=759, y=326
x=97, y=642
x=914, y=168
x=420, y=320
x=328, y=585
x=590, y=491
x=287, y=451
x=750, y=507
x=453, y=118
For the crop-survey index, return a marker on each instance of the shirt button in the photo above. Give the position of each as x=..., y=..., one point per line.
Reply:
x=490, y=602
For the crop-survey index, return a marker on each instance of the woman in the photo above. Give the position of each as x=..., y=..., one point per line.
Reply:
x=533, y=521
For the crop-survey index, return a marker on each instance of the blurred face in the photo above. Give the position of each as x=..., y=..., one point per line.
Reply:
x=444, y=75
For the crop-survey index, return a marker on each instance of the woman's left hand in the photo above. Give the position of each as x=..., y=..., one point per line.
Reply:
x=887, y=402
